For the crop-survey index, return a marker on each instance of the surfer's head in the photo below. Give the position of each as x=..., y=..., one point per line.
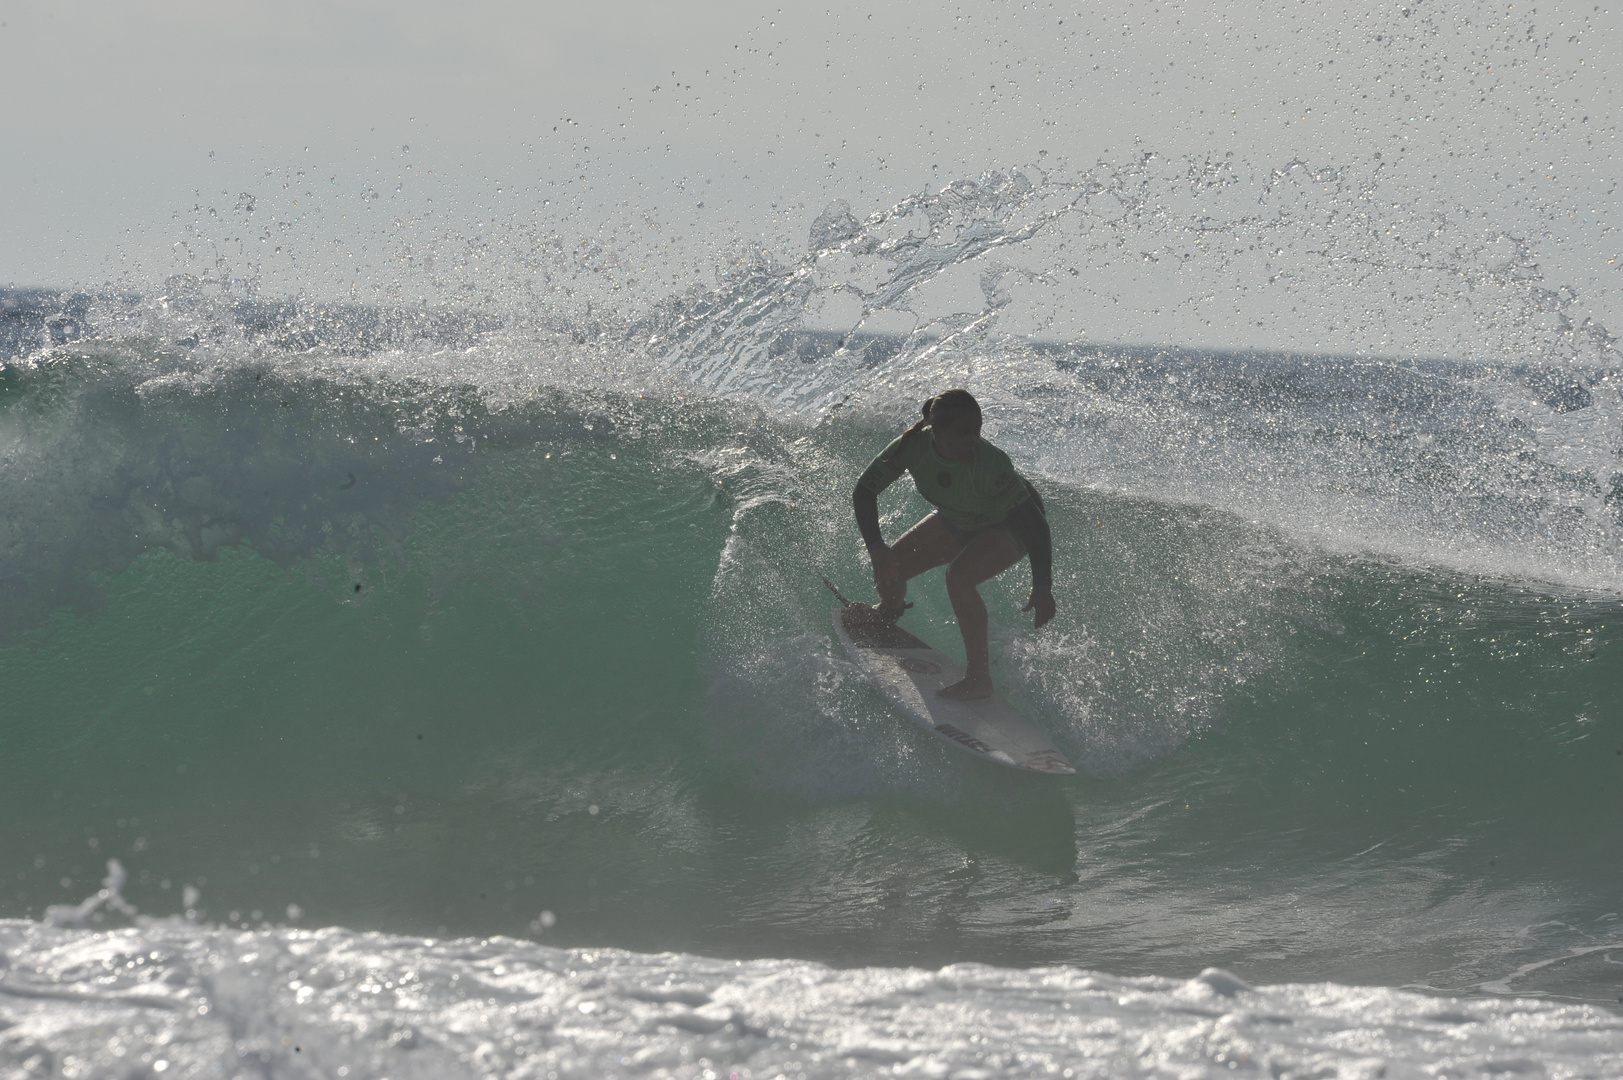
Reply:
x=950, y=406
x=954, y=417
x=954, y=414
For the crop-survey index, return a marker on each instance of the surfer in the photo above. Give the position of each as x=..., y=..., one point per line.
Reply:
x=987, y=517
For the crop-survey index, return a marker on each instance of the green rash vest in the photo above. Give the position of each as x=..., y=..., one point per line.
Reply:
x=971, y=496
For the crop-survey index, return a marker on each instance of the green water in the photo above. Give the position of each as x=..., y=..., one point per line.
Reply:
x=594, y=677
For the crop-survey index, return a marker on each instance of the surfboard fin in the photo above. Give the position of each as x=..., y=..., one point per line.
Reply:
x=843, y=601
x=847, y=603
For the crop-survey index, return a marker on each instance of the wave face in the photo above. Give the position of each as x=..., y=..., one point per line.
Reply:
x=461, y=626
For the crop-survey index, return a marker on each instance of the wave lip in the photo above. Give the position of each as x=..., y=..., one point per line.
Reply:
x=168, y=996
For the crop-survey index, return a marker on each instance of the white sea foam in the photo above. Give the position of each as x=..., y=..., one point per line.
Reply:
x=169, y=998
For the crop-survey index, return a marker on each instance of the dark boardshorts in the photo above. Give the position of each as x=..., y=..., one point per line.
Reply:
x=964, y=536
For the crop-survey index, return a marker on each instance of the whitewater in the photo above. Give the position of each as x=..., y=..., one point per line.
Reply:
x=412, y=679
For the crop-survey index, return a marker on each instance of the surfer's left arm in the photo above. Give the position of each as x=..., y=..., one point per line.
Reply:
x=1030, y=524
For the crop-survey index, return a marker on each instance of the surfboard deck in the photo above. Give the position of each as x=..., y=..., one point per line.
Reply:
x=909, y=672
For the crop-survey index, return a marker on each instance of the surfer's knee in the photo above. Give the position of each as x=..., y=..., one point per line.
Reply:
x=959, y=578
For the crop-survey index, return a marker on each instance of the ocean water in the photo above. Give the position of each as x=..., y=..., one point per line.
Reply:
x=392, y=690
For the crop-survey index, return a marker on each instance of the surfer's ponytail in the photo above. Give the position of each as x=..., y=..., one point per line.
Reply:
x=947, y=403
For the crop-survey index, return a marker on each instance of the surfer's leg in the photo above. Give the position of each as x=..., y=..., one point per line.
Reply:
x=987, y=555
x=925, y=546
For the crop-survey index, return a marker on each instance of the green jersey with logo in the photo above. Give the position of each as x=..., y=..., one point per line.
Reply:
x=971, y=495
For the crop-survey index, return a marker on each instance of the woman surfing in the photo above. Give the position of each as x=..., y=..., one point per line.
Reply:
x=987, y=517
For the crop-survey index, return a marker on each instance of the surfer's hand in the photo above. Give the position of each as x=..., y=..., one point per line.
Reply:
x=1042, y=601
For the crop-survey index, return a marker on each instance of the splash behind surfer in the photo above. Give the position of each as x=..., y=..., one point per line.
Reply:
x=987, y=517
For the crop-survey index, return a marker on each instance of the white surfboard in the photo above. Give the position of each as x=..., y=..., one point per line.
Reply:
x=909, y=673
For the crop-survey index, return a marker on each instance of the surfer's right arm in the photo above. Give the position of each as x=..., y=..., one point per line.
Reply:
x=865, y=504
x=879, y=475
x=882, y=472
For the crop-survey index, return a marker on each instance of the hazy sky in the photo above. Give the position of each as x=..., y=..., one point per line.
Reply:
x=129, y=131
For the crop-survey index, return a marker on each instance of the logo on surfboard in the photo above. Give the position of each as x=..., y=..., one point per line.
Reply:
x=964, y=738
x=917, y=666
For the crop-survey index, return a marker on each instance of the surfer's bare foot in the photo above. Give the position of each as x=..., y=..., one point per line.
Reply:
x=969, y=688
